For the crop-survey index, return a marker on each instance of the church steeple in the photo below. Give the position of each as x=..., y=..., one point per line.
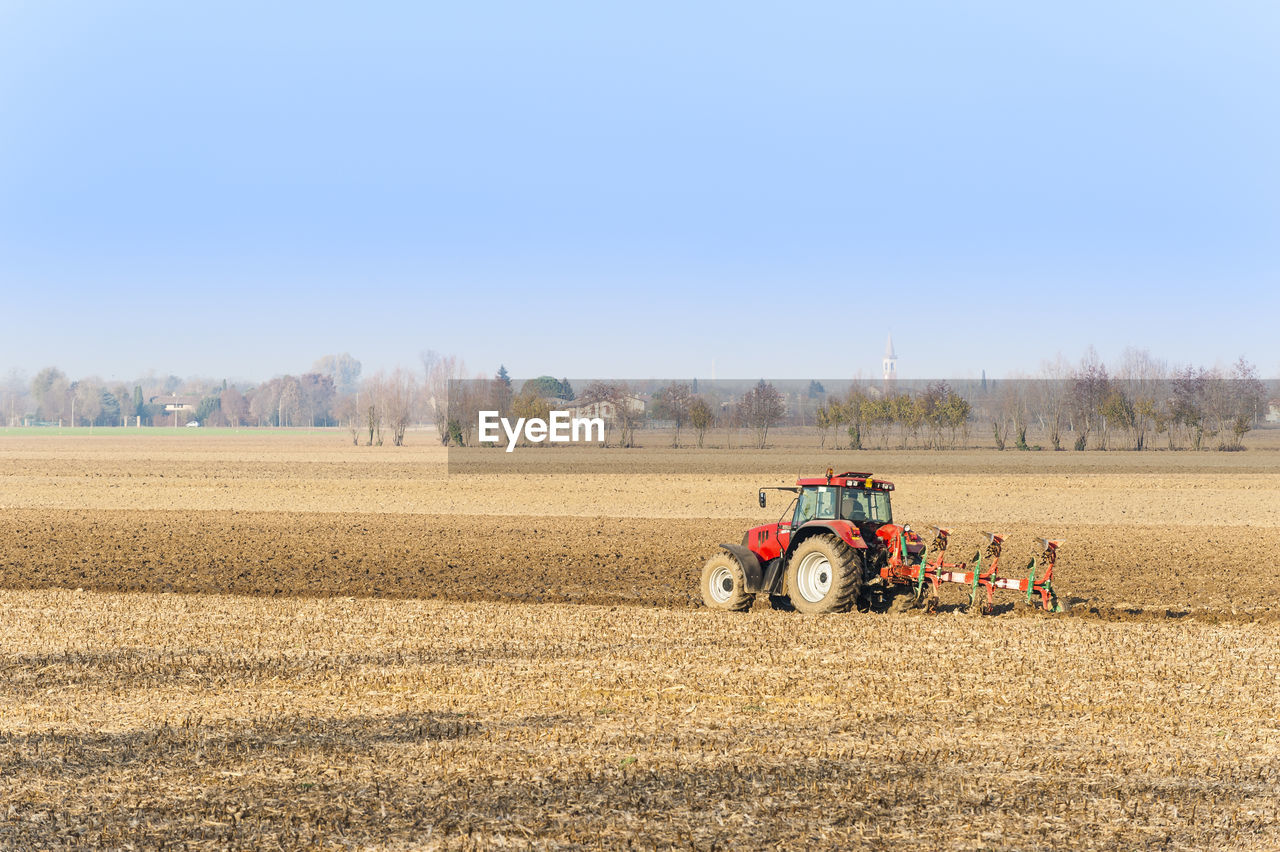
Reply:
x=890, y=363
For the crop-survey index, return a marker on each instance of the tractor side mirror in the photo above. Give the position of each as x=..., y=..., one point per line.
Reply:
x=761, y=499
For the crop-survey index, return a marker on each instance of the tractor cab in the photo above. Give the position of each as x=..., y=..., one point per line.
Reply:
x=854, y=497
x=854, y=505
x=850, y=500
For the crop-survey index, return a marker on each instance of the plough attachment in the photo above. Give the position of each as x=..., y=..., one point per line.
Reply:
x=981, y=573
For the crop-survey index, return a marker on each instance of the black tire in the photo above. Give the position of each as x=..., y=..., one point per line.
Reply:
x=724, y=584
x=824, y=575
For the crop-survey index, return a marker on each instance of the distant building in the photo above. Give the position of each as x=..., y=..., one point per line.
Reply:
x=890, y=365
x=1273, y=411
x=173, y=403
x=604, y=408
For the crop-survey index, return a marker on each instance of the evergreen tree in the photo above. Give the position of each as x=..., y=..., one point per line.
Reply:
x=544, y=386
x=503, y=392
x=109, y=415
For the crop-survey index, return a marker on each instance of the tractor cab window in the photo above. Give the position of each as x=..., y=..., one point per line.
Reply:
x=854, y=506
x=858, y=505
x=815, y=503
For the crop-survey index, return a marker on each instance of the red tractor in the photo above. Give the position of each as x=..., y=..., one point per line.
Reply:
x=837, y=545
x=822, y=555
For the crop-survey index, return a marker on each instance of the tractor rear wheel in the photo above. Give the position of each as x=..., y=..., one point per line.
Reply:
x=724, y=584
x=824, y=575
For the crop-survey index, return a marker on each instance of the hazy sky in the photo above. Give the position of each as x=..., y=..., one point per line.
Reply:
x=232, y=189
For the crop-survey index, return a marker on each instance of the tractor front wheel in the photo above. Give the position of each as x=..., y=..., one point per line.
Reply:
x=824, y=575
x=724, y=584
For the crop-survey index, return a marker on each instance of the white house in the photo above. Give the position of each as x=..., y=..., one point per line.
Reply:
x=174, y=403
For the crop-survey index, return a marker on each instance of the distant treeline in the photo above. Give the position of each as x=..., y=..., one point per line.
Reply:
x=1140, y=404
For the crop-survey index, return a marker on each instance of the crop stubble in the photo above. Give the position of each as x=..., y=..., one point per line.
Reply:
x=299, y=715
x=253, y=721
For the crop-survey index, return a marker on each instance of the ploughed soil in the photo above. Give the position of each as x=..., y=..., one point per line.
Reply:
x=1111, y=571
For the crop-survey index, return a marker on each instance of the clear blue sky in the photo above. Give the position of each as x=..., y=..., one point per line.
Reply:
x=235, y=189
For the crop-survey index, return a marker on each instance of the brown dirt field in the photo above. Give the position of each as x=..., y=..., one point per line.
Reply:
x=333, y=703
x=1113, y=571
x=1152, y=534
x=231, y=722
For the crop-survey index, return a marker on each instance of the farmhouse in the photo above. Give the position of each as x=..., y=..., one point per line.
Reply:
x=603, y=408
x=173, y=403
x=1273, y=411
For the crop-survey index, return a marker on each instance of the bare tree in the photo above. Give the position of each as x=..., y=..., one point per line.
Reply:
x=262, y=402
x=1008, y=410
x=760, y=408
x=824, y=422
x=731, y=419
x=700, y=418
x=1250, y=395
x=1145, y=382
x=852, y=415
x=373, y=396
x=290, y=403
x=1117, y=411
x=618, y=405
x=1232, y=403
x=877, y=413
x=908, y=415
x=397, y=393
x=443, y=372
x=956, y=410
x=1051, y=398
x=933, y=413
x=349, y=416
x=673, y=403
x=317, y=392
x=842, y=417
x=88, y=399
x=1089, y=391
x=1190, y=392
x=235, y=409
x=467, y=398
